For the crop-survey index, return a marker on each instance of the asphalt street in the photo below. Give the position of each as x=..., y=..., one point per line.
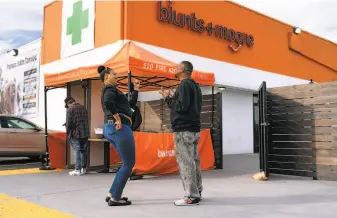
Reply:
x=12, y=163
x=230, y=192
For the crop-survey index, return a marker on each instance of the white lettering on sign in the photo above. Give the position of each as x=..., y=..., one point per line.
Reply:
x=166, y=153
x=148, y=66
x=172, y=70
x=159, y=67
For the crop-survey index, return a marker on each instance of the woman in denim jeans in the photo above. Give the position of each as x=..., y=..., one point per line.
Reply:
x=117, y=130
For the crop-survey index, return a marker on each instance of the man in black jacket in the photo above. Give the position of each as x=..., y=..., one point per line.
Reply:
x=185, y=106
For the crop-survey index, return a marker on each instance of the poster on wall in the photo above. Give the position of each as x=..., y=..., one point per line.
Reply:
x=19, y=85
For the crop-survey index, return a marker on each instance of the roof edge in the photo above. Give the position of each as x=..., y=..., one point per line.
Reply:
x=50, y=3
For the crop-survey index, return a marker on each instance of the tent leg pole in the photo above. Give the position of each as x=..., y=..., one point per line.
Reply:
x=129, y=85
x=213, y=106
x=45, y=160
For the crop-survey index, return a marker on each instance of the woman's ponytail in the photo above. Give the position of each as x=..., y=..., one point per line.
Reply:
x=101, y=71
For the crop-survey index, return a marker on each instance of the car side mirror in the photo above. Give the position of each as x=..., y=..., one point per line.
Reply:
x=37, y=128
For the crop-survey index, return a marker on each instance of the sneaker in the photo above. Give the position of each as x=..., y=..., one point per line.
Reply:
x=75, y=173
x=187, y=202
x=83, y=171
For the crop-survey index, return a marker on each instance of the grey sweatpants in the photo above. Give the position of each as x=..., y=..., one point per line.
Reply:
x=186, y=145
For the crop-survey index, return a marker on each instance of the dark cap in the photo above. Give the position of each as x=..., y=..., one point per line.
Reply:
x=68, y=100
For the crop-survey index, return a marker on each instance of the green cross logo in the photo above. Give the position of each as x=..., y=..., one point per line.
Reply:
x=77, y=22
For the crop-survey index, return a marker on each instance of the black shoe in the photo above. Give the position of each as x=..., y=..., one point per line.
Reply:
x=135, y=177
x=119, y=203
x=107, y=199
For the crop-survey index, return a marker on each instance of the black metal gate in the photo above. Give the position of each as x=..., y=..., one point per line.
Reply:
x=263, y=129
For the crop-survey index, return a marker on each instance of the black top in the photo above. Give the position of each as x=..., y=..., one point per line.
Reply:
x=77, y=123
x=185, y=107
x=114, y=101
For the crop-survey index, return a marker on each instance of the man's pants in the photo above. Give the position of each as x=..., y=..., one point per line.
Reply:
x=80, y=148
x=186, y=144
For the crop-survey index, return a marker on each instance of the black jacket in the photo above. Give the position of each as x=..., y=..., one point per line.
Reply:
x=136, y=115
x=114, y=101
x=185, y=107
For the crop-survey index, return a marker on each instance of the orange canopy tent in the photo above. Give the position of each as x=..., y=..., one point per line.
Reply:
x=153, y=71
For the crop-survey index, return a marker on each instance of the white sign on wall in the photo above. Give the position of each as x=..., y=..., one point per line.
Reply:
x=19, y=85
x=78, y=22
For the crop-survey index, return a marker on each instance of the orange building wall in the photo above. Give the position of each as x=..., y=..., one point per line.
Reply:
x=270, y=51
x=52, y=28
x=310, y=57
x=108, y=28
x=109, y=17
x=322, y=51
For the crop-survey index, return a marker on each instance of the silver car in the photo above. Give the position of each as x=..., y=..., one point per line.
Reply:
x=21, y=138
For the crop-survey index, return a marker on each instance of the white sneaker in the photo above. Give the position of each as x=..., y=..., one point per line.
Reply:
x=187, y=202
x=74, y=173
x=83, y=171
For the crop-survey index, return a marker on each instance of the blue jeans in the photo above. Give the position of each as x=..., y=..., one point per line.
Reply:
x=124, y=143
x=80, y=148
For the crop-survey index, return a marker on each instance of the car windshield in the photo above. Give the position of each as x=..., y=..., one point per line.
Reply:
x=17, y=124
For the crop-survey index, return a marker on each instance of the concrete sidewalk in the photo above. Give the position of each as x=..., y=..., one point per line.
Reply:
x=228, y=193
